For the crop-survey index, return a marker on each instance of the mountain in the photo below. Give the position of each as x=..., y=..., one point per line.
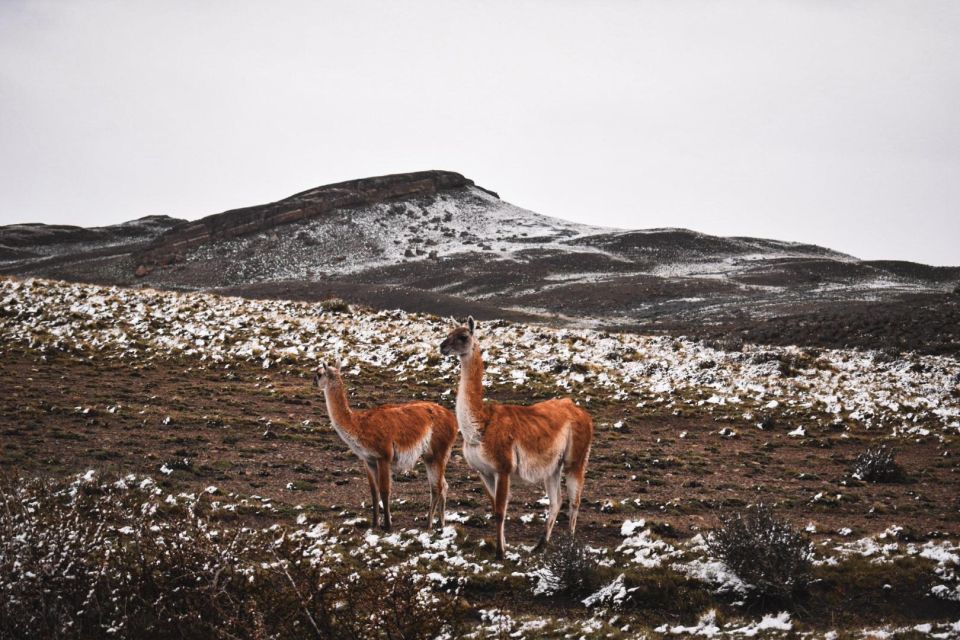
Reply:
x=434, y=241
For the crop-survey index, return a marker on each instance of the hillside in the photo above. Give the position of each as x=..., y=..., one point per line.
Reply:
x=435, y=242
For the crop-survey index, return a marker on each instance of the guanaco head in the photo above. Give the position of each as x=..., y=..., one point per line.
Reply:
x=325, y=376
x=461, y=339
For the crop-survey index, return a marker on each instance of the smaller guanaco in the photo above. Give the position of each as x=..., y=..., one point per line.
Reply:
x=393, y=435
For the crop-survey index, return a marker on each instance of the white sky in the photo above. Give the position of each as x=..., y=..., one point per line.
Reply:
x=833, y=122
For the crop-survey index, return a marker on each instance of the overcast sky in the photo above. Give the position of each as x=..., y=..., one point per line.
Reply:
x=820, y=121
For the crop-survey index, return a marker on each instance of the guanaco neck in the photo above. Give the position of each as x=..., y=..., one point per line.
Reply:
x=337, y=407
x=470, y=394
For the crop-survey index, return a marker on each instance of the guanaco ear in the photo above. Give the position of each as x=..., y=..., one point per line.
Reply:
x=471, y=324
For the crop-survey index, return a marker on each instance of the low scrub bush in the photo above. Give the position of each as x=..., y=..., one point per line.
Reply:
x=791, y=364
x=877, y=464
x=765, y=552
x=93, y=560
x=567, y=568
x=335, y=305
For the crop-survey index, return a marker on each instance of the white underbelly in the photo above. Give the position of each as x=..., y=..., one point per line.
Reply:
x=538, y=468
x=531, y=470
x=406, y=459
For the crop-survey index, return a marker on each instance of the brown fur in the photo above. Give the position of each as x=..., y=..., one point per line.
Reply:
x=533, y=428
x=389, y=434
x=502, y=440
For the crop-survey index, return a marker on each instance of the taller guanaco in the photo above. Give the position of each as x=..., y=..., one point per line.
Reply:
x=539, y=443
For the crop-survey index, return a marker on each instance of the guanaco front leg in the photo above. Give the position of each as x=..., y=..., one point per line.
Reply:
x=383, y=481
x=490, y=485
x=442, y=492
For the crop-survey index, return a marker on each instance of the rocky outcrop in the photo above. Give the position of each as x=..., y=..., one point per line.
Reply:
x=171, y=246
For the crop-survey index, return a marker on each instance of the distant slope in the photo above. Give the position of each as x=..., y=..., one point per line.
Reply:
x=95, y=254
x=434, y=241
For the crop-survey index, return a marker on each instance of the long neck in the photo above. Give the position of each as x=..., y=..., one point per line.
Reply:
x=470, y=392
x=337, y=407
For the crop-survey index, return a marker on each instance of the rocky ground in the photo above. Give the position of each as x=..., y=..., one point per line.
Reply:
x=209, y=398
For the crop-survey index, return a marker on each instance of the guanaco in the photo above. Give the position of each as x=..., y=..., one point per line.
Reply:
x=394, y=435
x=538, y=443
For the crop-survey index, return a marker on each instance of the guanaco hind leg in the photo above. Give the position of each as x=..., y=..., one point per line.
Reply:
x=552, y=486
x=574, y=492
x=374, y=494
x=383, y=481
x=501, y=497
x=434, y=491
x=438, y=493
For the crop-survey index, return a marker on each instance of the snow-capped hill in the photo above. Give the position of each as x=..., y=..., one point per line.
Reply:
x=313, y=204
x=350, y=241
x=435, y=241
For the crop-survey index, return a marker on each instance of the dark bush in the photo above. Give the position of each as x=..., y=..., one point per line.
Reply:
x=335, y=305
x=568, y=569
x=877, y=464
x=791, y=364
x=765, y=552
x=92, y=560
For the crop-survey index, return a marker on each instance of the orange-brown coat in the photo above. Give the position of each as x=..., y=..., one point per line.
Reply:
x=538, y=443
x=393, y=436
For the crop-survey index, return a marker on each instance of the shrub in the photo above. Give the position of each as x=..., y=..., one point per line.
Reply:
x=765, y=552
x=791, y=364
x=877, y=464
x=93, y=560
x=335, y=305
x=567, y=568
x=767, y=422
